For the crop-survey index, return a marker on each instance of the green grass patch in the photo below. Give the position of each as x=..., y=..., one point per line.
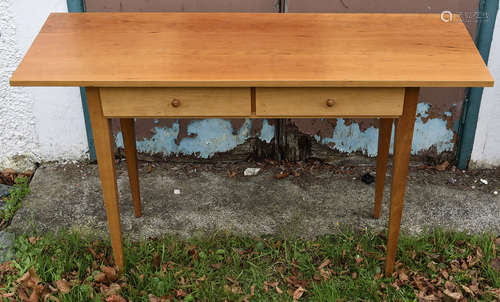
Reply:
x=13, y=201
x=347, y=266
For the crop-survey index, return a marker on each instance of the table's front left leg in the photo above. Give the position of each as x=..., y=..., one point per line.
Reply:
x=104, y=146
x=402, y=149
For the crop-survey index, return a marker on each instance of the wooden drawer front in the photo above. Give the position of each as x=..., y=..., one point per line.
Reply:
x=191, y=102
x=329, y=102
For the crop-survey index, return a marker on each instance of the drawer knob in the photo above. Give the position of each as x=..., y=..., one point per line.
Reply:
x=330, y=102
x=176, y=102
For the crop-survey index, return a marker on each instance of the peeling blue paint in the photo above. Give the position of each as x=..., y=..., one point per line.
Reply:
x=267, y=132
x=350, y=138
x=209, y=137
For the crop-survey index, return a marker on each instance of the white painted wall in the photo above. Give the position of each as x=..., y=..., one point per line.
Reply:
x=42, y=123
x=486, y=150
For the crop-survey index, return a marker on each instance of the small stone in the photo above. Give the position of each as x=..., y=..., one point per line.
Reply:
x=484, y=181
x=452, y=180
x=367, y=178
x=4, y=190
x=177, y=192
x=473, y=187
x=251, y=171
x=495, y=192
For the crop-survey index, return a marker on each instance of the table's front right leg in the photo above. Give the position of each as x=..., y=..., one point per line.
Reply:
x=104, y=146
x=402, y=148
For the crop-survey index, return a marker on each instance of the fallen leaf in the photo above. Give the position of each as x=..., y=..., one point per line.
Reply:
x=100, y=277
x=495, y=264
x=282, y=175
x=298, y=293
x=110, y=273
x=454, y=295
x=63, y=286
x=180, y=293
x=468, y=290
x=403, y=277
x=325, y=263
x=150, y=168
x=442, y=166
x=156, y=260
x=115, y=298
x=113, y=289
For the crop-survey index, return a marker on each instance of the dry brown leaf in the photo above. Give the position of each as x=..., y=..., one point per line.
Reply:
x=454, y=295
x=442, y=166
x=156, y=260
x=297, y=294
x=468, y=290
x=203, y=278
x=110, y=272
x=180, y=293
x=325, y=263
x=113, y=289
x=403, y=277
x=63, y=286
x=325, y=274
x=50, y=297
x=495, y=264
x=100, y=277
x=252, y=290
x=282, y=175
x=150, y=168
x=115, y=298
x=231, y=174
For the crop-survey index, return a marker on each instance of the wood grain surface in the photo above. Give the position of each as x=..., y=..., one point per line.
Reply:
x=344, y=102
x=251, y=50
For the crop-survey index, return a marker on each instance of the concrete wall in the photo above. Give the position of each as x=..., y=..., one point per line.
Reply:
x=43, y=124
x=486, y=151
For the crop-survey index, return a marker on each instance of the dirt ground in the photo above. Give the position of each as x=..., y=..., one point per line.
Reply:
x=315, y=198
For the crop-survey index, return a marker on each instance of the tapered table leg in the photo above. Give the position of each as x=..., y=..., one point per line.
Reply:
x=128, y=132
x=384, y=143
x=103, y=139
x=402, y=148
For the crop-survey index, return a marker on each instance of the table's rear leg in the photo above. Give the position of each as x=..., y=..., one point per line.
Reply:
x=402, y=148
x=384, y=143
x=128, y=132
x=104, y=146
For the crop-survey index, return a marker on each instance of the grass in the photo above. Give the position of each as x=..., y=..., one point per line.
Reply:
x=13, y=201
x=347, y=266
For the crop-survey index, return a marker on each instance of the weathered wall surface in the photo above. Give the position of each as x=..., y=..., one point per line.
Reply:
x=486, y=151
x=439, y=109
x=41, y=123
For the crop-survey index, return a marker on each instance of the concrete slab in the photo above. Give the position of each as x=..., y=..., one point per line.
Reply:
x=316, y=202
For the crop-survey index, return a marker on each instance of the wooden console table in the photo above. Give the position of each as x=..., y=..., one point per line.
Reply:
x=242, y=65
